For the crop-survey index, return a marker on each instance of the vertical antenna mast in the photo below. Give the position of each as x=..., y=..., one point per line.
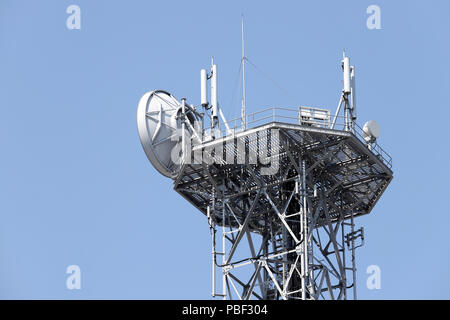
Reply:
x=243, y=78
x=348, y=72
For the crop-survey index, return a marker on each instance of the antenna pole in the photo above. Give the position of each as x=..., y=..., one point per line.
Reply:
x=243, y=78
x=347, y=91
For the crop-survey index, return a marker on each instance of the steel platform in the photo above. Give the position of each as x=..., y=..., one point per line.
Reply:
x=339, y=165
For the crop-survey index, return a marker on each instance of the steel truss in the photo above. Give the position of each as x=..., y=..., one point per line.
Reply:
x=290, y=234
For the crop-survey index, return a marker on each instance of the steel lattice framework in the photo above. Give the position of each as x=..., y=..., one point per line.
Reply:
x=289, y=234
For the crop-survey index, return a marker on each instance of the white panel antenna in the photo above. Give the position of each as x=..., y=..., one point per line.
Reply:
x=203, y=88
x=214, y=103
x=346, y=73
x=353, y=84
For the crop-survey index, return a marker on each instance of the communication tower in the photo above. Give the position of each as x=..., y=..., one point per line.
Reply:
x=280, y=188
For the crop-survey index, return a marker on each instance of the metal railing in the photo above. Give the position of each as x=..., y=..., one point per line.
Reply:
x=304, y=116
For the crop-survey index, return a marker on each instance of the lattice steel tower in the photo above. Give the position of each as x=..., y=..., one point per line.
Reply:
x=280, y=188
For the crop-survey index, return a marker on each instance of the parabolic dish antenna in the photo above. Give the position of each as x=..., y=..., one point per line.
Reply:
x=371, y=131
x=159, y=129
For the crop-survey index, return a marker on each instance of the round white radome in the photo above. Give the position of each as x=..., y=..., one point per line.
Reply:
x=371, y=131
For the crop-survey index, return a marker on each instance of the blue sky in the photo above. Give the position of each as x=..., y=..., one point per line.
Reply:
x=76, y=187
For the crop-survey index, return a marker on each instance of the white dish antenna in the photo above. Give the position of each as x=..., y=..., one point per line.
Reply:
x=160, y=129
x=371, y=131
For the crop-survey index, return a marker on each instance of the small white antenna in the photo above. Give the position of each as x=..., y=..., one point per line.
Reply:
x=346, y=73
x=243, y=78
x=349, y=89
x=214, y=98
x=203, y=88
